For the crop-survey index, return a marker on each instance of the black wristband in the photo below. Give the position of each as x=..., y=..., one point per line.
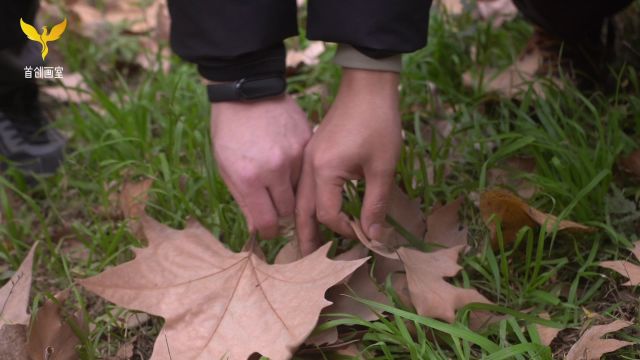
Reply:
x=247, y=89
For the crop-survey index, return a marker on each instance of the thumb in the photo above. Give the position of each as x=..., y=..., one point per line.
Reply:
x=376, y=203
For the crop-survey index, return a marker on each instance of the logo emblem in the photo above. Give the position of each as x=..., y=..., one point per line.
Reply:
x=46, y=36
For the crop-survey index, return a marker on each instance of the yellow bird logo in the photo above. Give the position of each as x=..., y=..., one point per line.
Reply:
x=46, y=36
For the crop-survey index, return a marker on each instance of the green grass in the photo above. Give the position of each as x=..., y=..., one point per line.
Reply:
x=154, y=125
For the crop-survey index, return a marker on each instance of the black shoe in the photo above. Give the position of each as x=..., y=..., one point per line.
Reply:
x=25, y=138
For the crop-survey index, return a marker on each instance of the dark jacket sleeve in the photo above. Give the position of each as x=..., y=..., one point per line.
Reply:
x=232, y=39
x=377, y=28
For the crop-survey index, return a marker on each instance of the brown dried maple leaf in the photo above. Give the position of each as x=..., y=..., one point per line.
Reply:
x=514, y=214
x=591, y=346
x=444, y=227
x=14, y=295
x=51, y=336
x=217, y=303
x=430, y=293
x=632, y=271
x=14, y=300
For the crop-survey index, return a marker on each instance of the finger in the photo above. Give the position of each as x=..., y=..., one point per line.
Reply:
x=261, y=214
x=283, y=198
x=376, y=202
x=306, y=225
x=296, y=170
x=329, y=205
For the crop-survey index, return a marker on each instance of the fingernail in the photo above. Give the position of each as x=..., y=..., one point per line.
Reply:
x=375, y=231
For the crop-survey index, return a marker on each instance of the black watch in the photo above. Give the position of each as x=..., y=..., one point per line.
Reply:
x=247, y=89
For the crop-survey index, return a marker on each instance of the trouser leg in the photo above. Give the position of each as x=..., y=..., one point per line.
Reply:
x=572, y=20
x=16, y=53
x=233, y=39
x=378, y=28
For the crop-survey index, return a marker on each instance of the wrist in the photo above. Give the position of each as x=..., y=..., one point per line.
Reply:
x=247, y=89
x=369, y=81
x=369, y=86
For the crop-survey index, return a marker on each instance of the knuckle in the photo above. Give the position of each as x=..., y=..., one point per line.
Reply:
x=378, y=208
x=279, y=160
x=324, y=216
x=320, y=160
x=248, y=175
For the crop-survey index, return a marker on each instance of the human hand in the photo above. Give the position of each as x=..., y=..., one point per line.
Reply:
x=360, y=137
x=258, y=148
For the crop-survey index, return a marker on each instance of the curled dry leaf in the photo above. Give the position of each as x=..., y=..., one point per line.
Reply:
x=132, y=201
x=14, y=301
x=430, y=293
x=14, y=295
x=51, y=336
x=507, y=176
x=13, y=340
x=546, y=333
x=513, y=214
x=407, y=214
x=631, y=163
x=377, y=247
x=631, y=271
x=444, y=227
x=591, y=346
x=213, y=300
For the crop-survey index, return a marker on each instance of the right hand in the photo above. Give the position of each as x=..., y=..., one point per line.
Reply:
x=258, y=147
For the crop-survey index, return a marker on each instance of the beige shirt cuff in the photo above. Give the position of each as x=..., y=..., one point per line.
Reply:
x=348, y=56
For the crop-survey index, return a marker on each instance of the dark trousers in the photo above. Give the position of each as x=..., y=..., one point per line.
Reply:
x=229, y=37
x=16, y=52
x=571, y=20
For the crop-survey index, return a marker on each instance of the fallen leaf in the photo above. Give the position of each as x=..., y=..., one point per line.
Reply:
x=213, y=300
x=129, y=319
x=497, y=11
x=359, y=283
x=377, y=247
x=130, y=15
x=444, y=227
x=70, y=89
x=513, y=214
x=406, y=212
x=50, y=336
x=507, y=176
x=631, y=163
x=308, y=56
x=125, y=351
x=14, y=295
x=132, y=201
x=401, y=287
x=133, y=198
x=546, y=333
x=513, y=80
x=591, y=346
x=431, y=295
x=13, y=340
x=452, y=7
x=630, y=270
